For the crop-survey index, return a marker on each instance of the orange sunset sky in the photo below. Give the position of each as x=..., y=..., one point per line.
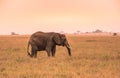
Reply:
x=28, y=16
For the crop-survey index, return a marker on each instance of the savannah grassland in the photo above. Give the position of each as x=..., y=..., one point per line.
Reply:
x=92, y=57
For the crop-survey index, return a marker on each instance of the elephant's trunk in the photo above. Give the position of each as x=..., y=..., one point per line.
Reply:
x=68, y=48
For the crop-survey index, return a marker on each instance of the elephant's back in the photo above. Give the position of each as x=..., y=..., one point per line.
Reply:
x=39, y=38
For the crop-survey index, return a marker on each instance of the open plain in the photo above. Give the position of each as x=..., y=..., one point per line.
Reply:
x=92, y=57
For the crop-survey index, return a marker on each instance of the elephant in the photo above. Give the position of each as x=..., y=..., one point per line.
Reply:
x=47, y=41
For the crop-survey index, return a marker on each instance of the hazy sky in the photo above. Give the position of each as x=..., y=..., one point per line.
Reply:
x=28, y=16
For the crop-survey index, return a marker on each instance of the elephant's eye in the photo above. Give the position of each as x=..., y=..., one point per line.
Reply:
x=64, y=39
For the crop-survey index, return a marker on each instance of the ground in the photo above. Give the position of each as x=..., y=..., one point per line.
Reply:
x=92, y=57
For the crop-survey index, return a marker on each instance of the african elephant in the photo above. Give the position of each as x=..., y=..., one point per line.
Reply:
x=41, y=41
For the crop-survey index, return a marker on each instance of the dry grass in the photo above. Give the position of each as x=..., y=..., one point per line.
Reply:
x=92, y=57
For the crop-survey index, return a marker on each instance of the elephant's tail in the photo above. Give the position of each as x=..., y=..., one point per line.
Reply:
x=28, y=49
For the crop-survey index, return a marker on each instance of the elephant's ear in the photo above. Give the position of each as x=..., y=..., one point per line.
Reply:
x=57, y=38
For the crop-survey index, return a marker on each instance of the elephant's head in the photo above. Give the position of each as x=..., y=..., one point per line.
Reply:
x=61, y=40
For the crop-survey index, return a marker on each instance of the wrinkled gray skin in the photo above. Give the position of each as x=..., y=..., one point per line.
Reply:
x=41, y=41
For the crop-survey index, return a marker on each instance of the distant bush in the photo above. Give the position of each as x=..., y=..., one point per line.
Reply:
x=114, y=34
x=97, y=31
x=13, y=33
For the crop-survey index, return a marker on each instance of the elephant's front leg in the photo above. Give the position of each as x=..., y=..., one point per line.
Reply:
x=53, y=50
x=48, y=50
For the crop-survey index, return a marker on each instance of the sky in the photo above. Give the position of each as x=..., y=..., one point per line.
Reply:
x=29, y=16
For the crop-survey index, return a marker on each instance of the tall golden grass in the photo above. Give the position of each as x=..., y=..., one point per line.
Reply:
x=92, y=57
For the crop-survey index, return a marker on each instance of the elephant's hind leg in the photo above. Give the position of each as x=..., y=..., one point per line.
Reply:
x=34, y=51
